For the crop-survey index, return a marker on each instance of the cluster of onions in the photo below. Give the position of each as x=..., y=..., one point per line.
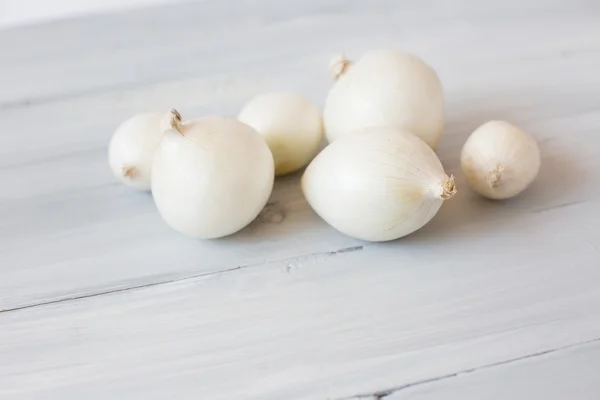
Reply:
x=378, y=179
x=211, y=176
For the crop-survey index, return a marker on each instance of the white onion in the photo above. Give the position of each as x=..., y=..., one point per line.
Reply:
x=377, y=184
x=291, y=125
x=211, y=176
x=131, y=149
x=385, y=88
x=500, y=160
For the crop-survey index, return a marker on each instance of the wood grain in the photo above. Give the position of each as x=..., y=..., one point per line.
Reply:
x=565, y=373
x=317, y=327
x=98, y=298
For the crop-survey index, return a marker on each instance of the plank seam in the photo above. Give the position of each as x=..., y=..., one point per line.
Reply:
x=387, y=392
x=176, y=280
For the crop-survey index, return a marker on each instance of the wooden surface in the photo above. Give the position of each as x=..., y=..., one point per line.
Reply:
x=28, y=12
x=99, y=299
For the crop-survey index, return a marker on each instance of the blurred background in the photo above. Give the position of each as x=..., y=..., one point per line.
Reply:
x=26, y=12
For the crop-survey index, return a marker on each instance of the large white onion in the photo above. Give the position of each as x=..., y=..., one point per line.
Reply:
x=211, y=176
x=377, y=184
x=385, y=88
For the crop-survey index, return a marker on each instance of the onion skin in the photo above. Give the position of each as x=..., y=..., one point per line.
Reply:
x=377, y=184
x=385, y=88
x=291, y=125
x=500, y=160
x=131, y=149
x=211, y=176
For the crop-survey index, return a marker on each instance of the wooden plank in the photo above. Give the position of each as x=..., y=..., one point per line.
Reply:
x=142, y=47
x=572, y=373
x=28, y=12
x=68, y=230
x=317, y=327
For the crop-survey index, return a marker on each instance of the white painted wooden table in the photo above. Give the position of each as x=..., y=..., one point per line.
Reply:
x=100, y=300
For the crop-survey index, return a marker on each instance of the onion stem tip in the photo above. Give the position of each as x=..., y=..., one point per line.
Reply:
x=338, y=66
x=448, y=187
x=494, y=177
x=175, y=120
x=128, y=171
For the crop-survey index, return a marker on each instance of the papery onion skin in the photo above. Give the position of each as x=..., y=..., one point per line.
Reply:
x=385, y=88
x=377, y=184
x=131, y=149
x=291, y=125
x=500, y=160
x=211, y=176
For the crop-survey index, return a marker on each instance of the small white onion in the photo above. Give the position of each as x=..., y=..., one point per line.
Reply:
x=211, y=176
x=291, y=125
x=385, y=88
x=377, y=184
x=500, y=160
x=131, y=149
